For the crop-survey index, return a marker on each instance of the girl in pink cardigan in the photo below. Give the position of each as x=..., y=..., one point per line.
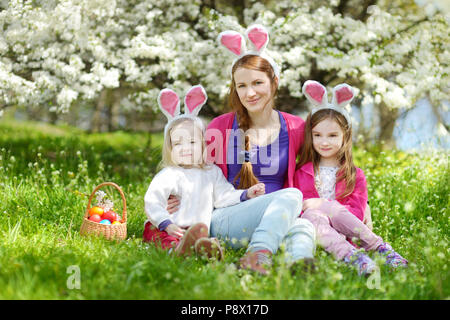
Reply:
x=334, y=190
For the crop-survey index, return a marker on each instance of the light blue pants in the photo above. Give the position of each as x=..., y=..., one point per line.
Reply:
x=265, y=223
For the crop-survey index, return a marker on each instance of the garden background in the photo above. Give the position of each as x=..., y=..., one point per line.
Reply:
x=78, y=87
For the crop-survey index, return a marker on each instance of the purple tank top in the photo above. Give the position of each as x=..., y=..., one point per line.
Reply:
x=270, y=163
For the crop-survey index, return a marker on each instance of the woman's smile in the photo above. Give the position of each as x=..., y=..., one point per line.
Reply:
x=253, y=101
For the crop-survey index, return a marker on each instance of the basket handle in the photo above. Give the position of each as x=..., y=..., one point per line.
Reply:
x=124, y=212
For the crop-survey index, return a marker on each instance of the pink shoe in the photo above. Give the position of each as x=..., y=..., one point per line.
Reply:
x=393, y=259
x=209, y=247
x=187, y=243
x=363, y=263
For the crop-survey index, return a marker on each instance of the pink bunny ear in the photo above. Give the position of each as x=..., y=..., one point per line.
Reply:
x=194, y=100
x=169, y=103
x=315, y=92
x=233, y=41
x=258, y=36
x=343, y=94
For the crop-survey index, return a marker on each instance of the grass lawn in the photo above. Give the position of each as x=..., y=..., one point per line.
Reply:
x=47, y=173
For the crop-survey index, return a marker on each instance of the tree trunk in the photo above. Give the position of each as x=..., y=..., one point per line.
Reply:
x=97, y=116
x=114, y=110
x=388, y=117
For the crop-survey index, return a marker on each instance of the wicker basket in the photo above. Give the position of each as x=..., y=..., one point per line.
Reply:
x=109, y=231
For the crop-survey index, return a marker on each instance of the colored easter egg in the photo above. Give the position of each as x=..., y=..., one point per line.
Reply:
x=116, y=222
x=95, y=218
x=110, y=215
x=105, y=221
x=95, y=210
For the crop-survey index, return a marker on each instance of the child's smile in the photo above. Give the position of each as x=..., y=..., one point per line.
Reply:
x=187, y=144
x=327, y=140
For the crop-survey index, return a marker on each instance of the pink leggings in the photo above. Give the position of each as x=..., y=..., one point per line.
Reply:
x=334, y=226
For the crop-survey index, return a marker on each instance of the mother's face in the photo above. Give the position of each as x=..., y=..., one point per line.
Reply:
x=254, y=89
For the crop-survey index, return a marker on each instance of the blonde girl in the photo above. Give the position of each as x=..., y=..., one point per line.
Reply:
x=201, y=187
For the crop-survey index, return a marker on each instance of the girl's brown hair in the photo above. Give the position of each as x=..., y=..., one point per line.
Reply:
x=347, y=171
x=253, y=62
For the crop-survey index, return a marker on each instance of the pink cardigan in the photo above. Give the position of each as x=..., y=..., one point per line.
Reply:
x=355, y=202
x=219, y=129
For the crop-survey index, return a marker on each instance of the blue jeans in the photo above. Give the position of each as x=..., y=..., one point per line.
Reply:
x=265, y=222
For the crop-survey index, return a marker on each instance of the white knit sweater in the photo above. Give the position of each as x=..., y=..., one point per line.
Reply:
x=199, y=191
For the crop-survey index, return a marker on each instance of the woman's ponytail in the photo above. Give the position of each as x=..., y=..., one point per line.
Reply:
x=246, y=175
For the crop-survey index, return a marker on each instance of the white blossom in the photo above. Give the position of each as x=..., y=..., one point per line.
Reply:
x=71, y=50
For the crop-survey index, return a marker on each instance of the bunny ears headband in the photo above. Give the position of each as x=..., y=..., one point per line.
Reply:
x=169, y=103
x=258, y=38
x=316, y=93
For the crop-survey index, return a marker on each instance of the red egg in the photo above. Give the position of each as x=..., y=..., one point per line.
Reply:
x=109, y=215
x=95, y=218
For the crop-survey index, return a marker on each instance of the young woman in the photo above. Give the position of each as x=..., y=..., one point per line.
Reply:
x=256, y=143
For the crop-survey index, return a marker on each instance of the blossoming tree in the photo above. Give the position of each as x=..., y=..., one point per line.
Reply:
x=118, y=54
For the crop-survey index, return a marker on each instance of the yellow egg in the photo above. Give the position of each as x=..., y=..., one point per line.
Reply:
x=116, y=222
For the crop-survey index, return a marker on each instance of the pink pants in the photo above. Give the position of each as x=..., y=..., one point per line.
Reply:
x=334, y=226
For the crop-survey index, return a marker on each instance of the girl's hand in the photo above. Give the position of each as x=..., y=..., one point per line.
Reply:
x=256, y=190
x=312, y=203
x=172, y=204
x=174, y=230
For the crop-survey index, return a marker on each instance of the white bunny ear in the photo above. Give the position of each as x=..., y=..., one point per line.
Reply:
x=343, y=94
x=169, y=103
x=233, y=41
x=194, y=100
x=315, y=92
x=258, y=37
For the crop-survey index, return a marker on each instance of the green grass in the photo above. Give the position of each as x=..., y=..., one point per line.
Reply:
x=47, y=172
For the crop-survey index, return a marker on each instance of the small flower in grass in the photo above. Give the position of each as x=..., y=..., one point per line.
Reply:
x=244, y=241
x=408, y=207
x=337, y=276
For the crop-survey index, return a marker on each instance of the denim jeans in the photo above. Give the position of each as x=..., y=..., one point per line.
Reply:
x=264, y=223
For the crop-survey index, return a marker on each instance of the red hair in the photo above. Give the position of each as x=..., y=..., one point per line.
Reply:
x=252, y=62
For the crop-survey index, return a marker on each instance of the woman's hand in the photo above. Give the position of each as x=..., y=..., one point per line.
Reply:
x=256, y=190
x=174, y=230
x=312, y=203
x=172, y=204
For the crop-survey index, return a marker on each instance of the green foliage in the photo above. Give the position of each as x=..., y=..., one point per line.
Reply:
x=47, y=172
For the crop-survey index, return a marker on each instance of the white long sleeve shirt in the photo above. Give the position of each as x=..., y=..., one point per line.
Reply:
x=199, y=191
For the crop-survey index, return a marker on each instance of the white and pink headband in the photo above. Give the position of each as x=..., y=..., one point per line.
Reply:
x=316, y=93
x=169, y=103
x=258, y=38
